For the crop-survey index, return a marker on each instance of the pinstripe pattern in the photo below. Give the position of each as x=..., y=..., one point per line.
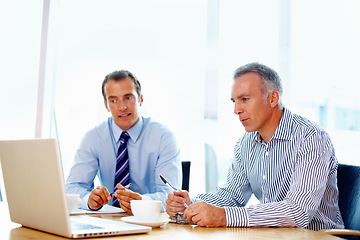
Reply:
x=293, y=176
x=122, y=165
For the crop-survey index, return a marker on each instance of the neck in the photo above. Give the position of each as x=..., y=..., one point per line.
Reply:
x=272, y=124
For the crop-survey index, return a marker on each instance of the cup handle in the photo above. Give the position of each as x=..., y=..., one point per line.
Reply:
x=77, y=202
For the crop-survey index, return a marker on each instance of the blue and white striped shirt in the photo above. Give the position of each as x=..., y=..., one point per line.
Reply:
x=294, y=176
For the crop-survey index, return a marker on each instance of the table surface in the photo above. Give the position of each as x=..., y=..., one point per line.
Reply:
x=13, y=231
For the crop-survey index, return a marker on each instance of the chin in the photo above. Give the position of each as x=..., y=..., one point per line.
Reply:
x=248, y=129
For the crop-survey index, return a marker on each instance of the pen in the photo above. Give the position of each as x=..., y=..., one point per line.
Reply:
x=169, y=185
x=124, y=187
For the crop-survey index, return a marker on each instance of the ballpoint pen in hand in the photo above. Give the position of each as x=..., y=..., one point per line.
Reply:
x=169, y=185
x=179, y=217
x=124, y=187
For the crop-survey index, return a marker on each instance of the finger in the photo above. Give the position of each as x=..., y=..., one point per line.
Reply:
x=126, y=199
x=193, y=209
x=108, y=197
x=190, y=213
x=103, y=193
x=172, y=211
x=93, y=205
x=181, y=193
x=175, y=199
x=119, y=186
x=175, y=208
x=126, y=208
x=125, y=204
x=96, y=200
x=173, y=205
x=125, y=196
x=128, y=194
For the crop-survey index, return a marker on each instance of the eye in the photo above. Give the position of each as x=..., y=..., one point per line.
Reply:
x=129, y=98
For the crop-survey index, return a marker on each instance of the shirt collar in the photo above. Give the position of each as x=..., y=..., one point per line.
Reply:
x=283, y=130
x=134, y=132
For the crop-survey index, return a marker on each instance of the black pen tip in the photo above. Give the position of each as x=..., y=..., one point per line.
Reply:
x=163, y=179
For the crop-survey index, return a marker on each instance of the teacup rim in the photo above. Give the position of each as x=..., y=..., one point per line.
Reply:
x=145, y=200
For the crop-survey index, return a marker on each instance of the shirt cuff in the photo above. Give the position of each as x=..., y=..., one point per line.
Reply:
x=84, y=202
x=236, y=217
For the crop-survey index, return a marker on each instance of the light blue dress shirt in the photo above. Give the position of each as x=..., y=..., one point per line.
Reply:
x=152, y=150
x=294, y=176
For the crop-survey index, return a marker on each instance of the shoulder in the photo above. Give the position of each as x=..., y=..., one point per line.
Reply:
x=305, y=126
x=156, y=133
x=100, y=131
x=309, y=134
x=154, y=127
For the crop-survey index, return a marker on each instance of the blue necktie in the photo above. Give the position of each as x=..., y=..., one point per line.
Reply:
x=122, y=165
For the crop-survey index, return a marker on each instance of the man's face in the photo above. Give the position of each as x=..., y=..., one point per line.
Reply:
x=123, y=102
x=253, y=109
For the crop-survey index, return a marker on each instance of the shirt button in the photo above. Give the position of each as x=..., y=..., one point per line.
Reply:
x=266, y=200
x=264, y=177
x=267, y=153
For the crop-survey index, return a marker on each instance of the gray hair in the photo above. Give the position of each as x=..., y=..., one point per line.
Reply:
x=270, y=79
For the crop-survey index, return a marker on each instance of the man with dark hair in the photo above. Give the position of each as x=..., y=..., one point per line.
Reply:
x=148, y=151
x=285, y=160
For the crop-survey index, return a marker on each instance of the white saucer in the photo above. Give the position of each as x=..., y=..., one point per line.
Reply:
x=156, y=223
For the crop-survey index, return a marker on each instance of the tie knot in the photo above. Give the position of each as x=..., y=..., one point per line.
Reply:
x=124, y=137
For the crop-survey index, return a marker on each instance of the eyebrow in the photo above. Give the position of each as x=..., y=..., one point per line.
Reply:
x=110, y=97
x=126, y=95
x=240, y=96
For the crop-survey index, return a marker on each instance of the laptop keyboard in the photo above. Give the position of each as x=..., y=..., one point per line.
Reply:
x=83, y=226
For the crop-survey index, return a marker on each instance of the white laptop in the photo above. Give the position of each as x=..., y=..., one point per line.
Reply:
x=36, y=195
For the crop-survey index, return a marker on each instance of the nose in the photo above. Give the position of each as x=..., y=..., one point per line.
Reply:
x=237, y=108
x=122, y=105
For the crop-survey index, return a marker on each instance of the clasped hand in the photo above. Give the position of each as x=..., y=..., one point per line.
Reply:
x=101, y=196
x=201, y=213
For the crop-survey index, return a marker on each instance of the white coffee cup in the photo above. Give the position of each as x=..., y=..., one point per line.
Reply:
x=146, y=210
x=73, y=201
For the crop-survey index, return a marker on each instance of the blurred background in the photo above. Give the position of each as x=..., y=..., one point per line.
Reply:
x=55, y=54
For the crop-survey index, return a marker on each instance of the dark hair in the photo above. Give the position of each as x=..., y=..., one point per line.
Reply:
x=119, y=75
x=271, y=80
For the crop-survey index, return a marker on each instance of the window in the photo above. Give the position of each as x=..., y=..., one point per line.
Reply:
x=184, y=53
x=19, y=60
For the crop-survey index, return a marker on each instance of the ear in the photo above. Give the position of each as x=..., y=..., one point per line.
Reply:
x=106, y=106
x=274, y=98
x=141, y=99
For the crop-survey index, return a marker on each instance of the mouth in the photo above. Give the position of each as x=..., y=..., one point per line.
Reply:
x=124, y=115
x=244, y=120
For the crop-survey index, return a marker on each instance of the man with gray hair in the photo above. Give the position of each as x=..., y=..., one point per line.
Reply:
x=285, y=160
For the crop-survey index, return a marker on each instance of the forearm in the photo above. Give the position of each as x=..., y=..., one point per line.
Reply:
x=277, y=214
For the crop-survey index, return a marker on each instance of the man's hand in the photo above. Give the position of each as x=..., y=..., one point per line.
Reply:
x=125, y=196
x=175, y=202
x=98, y=197
x=206, y=215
